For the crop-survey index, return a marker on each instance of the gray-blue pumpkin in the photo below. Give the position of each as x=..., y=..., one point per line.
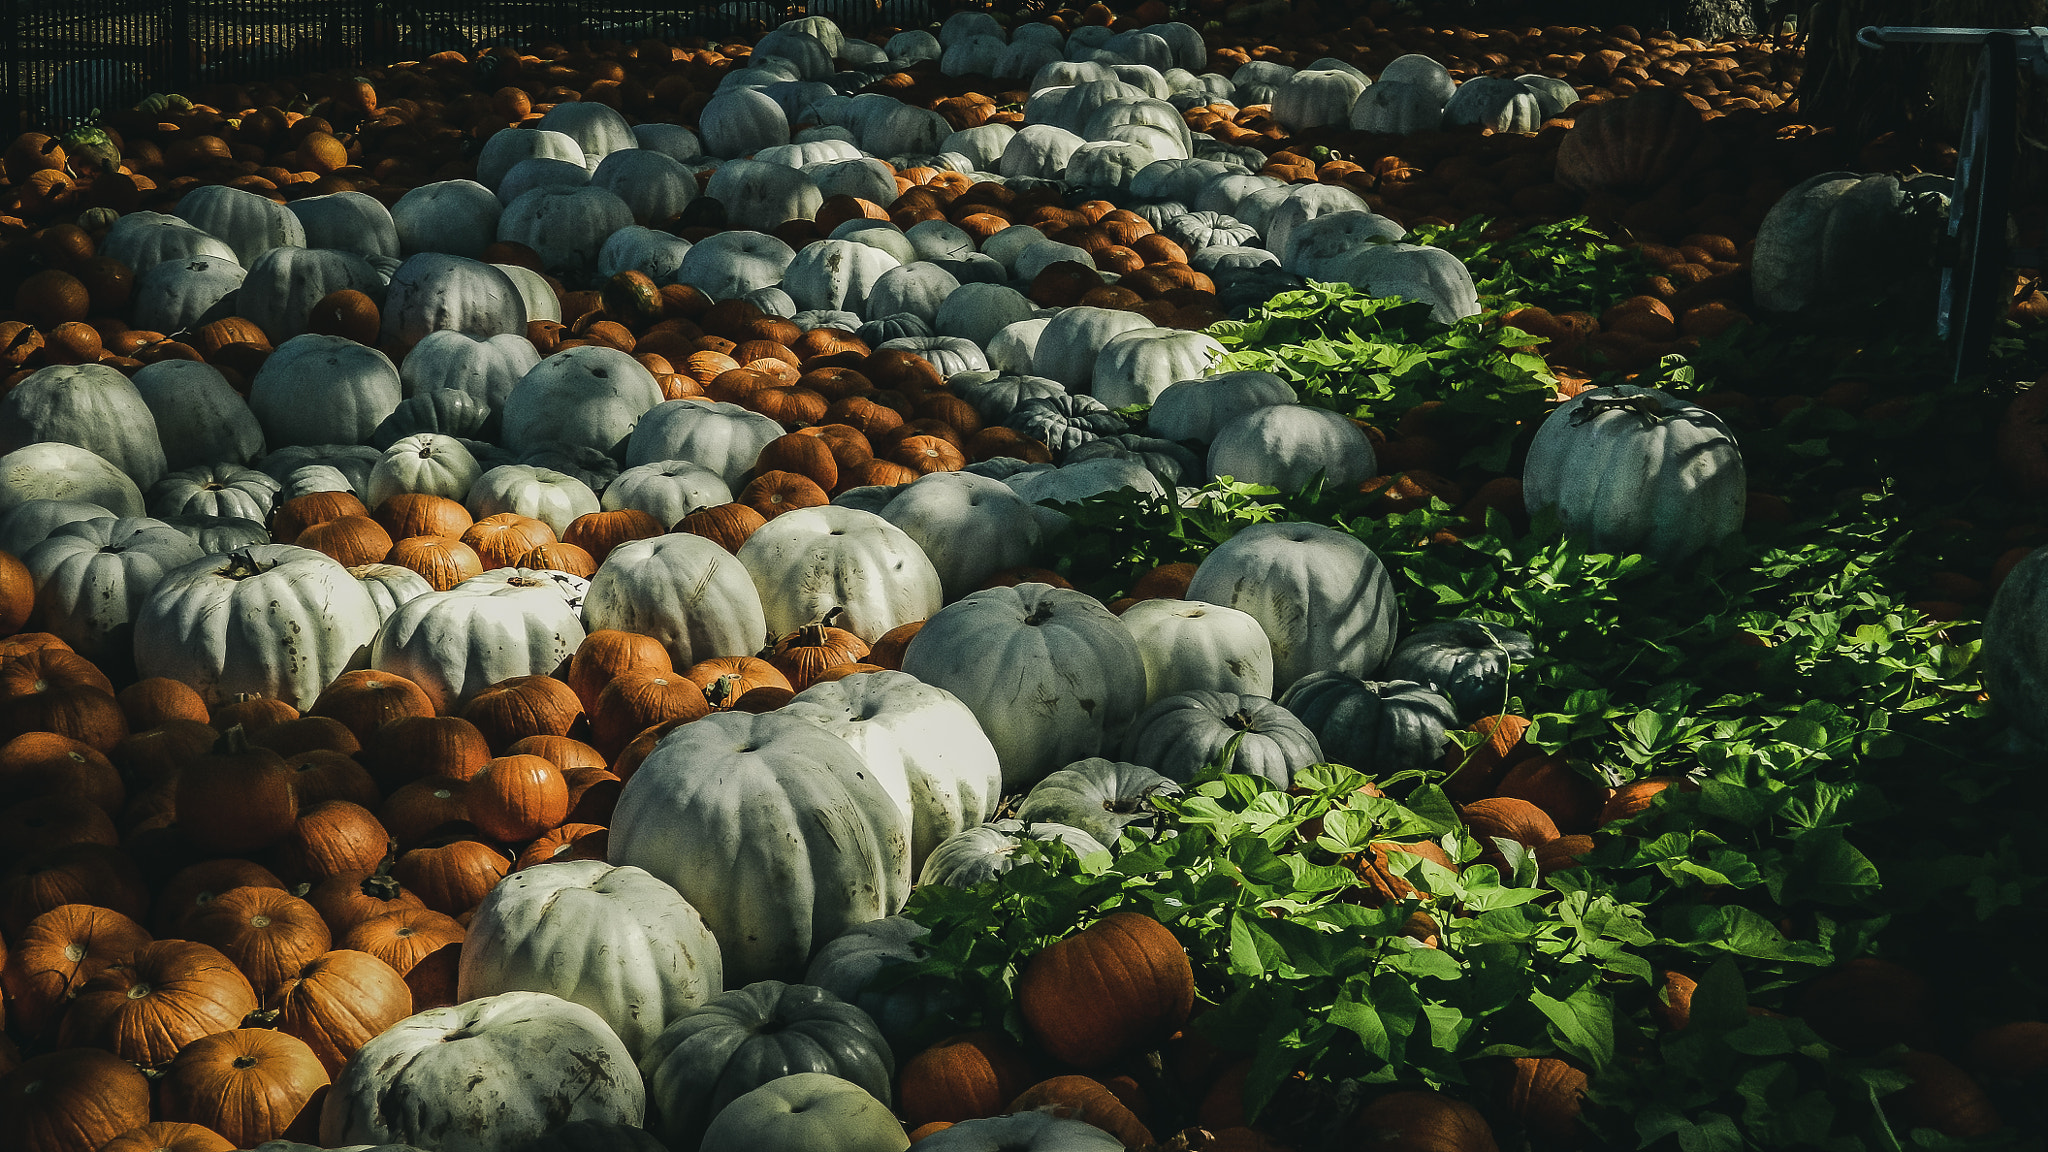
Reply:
x=1064, y=422
x=1180, y=735
x=1379, y=727
x=1100, y=797
x=1466, y=660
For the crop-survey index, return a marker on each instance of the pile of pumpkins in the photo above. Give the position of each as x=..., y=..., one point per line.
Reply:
x=622, y=546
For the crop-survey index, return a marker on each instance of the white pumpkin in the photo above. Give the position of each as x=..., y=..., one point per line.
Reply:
x=734, y=263
x=459, y=217
x=488, y=628
x=179, y=294
x=267, y=620
x=1422, y=71
x=200, y=418
x=1316, y=98
x=31, y=522
x=1635, y=469
x=1397, y=108
x=1324, y=248
x=810, y=561
x=1324, y=599
x=586, y=397
x=673, y=140
x=1023, y=1132
x=565, y=226
x=248, y=223
x=917, y=288
x=1058, y=649
x=977, y=312
x=427, y=463
x=92, y=576
x=284, y=284
x=346, y=222
x=318, y=389
x=534, y=292
x=667, y=490
x=724, y=438
x=433, y=290
x=485, y=367
x=1494, y=102
x=741, y=122
x=836, y=275
x=484, y=1076
x=1289, y=445
x=505, y=148
x=655, y=187
x=91, y=406
x=143, y=240
x=389, y=586
x=51, y=470
x=926, y=746
x=1198, y=409
x=1068, y=349
x=598, y=129
x=805, y=1110
x=215, y=490
x=615, y=940
x=1190, y=646
x=980, y=853
x=1039, y=150
x=968, y=526
x=540, y=172
x=554, y=498
x=761, y=196
x=1134, y=367
x=683, y=590
x=773, y=829
x=1417, y=272
x=641, y=249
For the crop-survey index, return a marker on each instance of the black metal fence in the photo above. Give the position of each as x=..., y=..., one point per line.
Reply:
x=61, y=59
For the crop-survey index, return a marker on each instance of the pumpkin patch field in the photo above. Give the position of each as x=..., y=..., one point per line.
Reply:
x=1233, y=577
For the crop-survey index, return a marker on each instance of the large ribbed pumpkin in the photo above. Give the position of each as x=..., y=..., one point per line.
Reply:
x=1629, y=145
x=1118, y=986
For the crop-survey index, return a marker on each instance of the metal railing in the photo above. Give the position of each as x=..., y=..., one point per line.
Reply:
x=61, y=59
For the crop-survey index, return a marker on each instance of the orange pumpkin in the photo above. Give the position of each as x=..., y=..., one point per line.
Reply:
x=238, y=799
x=339, y=1002
x=523, y=706
x=415, y=746
x=1087, y=1100
x=148, y=1005
x=727, y=525
x=1421, y=1121
x=453, y=877
x=58, y=952
x=365, y=700
x=517, y=797
x=331, y=838
x=352, y=898
x=599, y=532
x=269, y=933
x=409, y=514
x=156, y=700
x=502, y=538
x=46, y=764
x=962, y=1077
x=197, y=885
x=442, y=561
x=71, y=1099
x=169, y=1136
x=1122, y=984
x=634, y=701
x=250, y=1085
x=811, y=649
x=604, y=654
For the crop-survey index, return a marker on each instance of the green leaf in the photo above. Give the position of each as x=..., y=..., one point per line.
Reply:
x=1581, y=1024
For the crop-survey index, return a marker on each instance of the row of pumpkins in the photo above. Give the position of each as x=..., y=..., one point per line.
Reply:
x=855, y=440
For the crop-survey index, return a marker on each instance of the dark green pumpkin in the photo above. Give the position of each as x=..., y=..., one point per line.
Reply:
x=1466, y=660
x=1379, y=727
x=1064, y=422
x=733, y=1043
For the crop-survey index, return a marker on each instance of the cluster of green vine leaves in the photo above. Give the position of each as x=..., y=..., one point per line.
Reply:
x=1853, y=793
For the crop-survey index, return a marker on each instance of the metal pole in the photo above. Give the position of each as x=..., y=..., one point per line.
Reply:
x=12, y=98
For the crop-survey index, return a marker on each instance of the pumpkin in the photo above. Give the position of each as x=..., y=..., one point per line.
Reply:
x=724, y=438
x=1323, y=598
x=710, y=1055
x=1496, y=103
x=268, y=933
x=322, y=390
x=93, y=576
x=169, y=1136
x=2014, y=666
x=1377, y=727
x=590, y=396
x=483, y=631
x=806, y=1110
x=218, y=489
x=482, y=370
x=1629, y=145
x=683, y=590
x=808, y=844
x=734, y=263
x=483, y=1076
x=1823, y=240
x=72, y=1099
x=1181, y=735
x=1467, y=661
x=968, y=526
x=1189, y=646
x=848, y=964
x=432, y=291
x=594, y=1136
x=337, y=1002
x=150, y=1004
x=667, y=490
x=248, y=1084
x=1057, y=646
x=1636, y=469
x=810, y=561
x=55, y=955
x=921, y=742
x=962, y=1077
x=1083, y=1098
x=249, y=224
x=200, y=419
x=973, y=855
x=1100, y=797
x=1422, y=1121
x=1199, y=409
x=65, y=472
x=1396, y=108
x=1118, y=986
x=91, y=406
x=427, y=464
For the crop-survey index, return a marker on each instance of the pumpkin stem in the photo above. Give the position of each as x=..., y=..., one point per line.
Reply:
x=723, y=690
x=381, y=885
x=1239, y=720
